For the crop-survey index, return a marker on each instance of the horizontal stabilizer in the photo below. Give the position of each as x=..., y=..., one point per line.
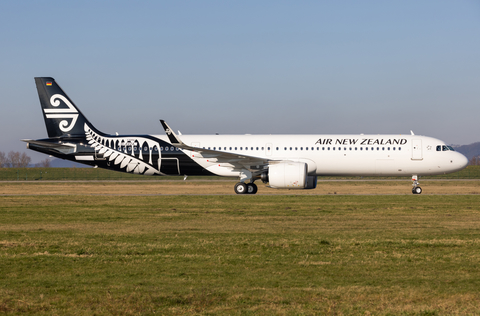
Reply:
x=64, y=148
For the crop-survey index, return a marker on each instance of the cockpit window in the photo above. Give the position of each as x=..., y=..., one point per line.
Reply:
x=445, y=148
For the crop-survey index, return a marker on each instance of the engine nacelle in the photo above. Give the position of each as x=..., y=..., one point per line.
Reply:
x=288, y=175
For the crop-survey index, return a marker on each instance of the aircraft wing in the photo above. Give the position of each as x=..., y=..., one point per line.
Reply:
x=251, y=163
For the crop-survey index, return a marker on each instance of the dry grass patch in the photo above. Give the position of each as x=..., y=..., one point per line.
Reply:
x=226, y=188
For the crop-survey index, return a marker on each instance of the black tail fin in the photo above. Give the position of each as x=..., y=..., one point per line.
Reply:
x=62, y=117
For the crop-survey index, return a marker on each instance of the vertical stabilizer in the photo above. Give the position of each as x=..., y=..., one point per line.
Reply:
x=62, y=117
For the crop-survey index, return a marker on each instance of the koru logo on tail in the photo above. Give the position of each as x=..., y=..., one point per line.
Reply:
x=66, y=113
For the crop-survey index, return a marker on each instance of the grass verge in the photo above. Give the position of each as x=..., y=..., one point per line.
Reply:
x=240, y=255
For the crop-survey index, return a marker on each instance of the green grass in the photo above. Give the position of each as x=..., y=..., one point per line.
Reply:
x=240, y=255
x=38, y=174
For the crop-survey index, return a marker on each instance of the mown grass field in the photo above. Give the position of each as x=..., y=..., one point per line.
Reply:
x=86, y=254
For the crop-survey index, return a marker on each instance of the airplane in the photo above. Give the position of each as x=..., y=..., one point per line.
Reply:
x=281, y=161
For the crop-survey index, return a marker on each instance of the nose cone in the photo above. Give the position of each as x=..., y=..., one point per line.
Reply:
x=459, y=161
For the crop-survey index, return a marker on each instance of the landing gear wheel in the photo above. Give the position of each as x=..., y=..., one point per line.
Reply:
x=417, y=190
x=240, y=188
x=252, y=188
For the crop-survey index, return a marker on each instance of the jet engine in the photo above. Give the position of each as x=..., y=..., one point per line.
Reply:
x=289, y=175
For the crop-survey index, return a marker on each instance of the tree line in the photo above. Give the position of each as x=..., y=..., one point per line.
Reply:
x=15, y=159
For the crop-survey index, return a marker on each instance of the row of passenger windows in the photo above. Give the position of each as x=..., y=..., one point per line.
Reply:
x=305, y=148
x=172, y=148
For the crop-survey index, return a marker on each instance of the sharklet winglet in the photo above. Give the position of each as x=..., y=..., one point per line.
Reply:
x=171, y=134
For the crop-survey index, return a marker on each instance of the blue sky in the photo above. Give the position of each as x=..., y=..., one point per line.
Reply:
x=236, y=67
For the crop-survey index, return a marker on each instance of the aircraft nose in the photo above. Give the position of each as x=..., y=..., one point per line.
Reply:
x=461, y=161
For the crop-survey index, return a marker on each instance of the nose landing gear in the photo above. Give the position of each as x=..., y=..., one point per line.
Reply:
x=416, y=189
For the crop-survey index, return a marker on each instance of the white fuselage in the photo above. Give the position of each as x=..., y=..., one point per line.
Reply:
x=336, y=155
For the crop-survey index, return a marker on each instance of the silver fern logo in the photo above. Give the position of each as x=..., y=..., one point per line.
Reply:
x=136, y=155
x=62, y=113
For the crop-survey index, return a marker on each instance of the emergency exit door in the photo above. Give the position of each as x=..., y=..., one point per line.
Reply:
x=417, y=149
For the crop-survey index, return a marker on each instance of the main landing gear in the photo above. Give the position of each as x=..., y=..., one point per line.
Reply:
x=246, y=188
x=416, y=189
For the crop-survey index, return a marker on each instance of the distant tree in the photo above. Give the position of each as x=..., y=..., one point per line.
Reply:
x=474, y=161
x=16, y=159
x=25, y=160
x=3, y=160
x=13, y=159
x=44, y=163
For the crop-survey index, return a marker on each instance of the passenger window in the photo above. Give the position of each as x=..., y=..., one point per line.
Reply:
x=277, y=148
x=399, y=148
x=301, y=148
x=333, y=148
